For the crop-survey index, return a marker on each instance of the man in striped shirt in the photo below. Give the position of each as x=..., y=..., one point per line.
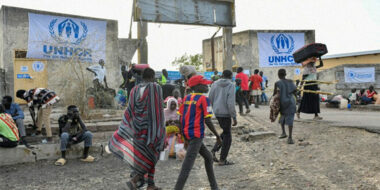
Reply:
x=195, y=112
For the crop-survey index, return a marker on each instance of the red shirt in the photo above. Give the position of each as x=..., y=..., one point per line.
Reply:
x=256, y=81
x=193, y=111
x=244, y=80
x=370, y=94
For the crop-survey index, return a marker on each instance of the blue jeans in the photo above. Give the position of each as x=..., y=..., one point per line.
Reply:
x=86, y=137
x=264, y=97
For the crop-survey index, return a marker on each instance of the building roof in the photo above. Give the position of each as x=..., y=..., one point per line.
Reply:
x=372, y=52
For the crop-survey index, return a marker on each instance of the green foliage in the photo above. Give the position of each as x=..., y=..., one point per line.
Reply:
x=194, y=60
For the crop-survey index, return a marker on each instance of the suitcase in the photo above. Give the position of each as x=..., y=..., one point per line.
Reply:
x=311, y=50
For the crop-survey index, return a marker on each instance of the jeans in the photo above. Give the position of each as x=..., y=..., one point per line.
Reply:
x=225, y=124
x=21, y=127
x=196, y=145
x=44, y=118
x=264, y=97
x=242, y=98
x=86, y=137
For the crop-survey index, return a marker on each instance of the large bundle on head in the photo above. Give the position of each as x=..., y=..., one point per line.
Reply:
x=310, y=50
x=187, y=70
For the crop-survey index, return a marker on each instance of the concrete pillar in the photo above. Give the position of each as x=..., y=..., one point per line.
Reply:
x=227, y=48
x=142, y=33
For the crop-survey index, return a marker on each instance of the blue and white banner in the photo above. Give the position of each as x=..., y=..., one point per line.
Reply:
x=359, y=75
x=276, y=49
x=65, y=38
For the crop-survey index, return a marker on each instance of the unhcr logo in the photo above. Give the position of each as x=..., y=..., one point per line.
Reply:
x=68, y=31
x=282, y=43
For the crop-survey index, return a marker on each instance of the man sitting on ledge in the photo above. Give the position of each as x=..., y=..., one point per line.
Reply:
x=74, y=132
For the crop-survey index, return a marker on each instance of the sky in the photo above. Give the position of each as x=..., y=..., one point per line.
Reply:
x=344, y=25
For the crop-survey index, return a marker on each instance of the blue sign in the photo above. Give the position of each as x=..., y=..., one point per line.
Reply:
x=208, y=75
x=359, y=75
x=276, y=49
x=297, y=71
x=38, y=66
x=24, y=69
x=23, y=76
x=62, y=38
x=174, y=75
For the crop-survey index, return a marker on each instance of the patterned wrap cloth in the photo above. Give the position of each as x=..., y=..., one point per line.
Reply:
x=141, y=134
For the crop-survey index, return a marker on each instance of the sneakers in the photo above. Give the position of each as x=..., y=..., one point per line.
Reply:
x=60, y=162
x=318, y=118
x=248, y=111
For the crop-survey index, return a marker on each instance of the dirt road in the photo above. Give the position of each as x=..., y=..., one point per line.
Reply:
x=324, y=157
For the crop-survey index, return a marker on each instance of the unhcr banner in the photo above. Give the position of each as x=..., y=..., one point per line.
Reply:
x=276, y=49
x=65, y=38
x=359, y=75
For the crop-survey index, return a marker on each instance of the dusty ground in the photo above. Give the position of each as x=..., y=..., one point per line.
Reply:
x=324, y=157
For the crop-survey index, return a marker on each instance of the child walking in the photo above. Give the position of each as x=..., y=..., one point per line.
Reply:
x=287, y=91
x=195, y=112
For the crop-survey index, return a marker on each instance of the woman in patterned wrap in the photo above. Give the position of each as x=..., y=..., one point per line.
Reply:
x=141, y=134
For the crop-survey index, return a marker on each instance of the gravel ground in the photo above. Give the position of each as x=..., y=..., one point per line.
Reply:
x=324, y=157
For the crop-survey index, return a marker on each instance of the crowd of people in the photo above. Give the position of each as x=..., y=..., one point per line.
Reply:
x=153, y=123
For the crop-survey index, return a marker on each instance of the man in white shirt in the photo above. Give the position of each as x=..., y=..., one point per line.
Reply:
x=100, y=74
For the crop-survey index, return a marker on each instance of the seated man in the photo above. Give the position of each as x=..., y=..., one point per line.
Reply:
x=8, y=130
x=72, y=133
x=17, y=114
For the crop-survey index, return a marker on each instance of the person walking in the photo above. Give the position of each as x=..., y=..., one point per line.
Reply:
x=140, y=137
x=245, y=90
x=222, y=98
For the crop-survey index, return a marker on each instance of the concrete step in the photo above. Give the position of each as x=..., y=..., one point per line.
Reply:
x=51, y=150
x=93, y=127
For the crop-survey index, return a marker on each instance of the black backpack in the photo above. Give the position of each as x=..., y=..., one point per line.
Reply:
x=62, y=123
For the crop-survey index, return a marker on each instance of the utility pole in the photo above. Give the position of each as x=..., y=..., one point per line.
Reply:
x=142, y=51
x=227, y=48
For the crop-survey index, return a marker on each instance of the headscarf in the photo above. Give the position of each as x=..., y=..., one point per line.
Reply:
x=169, y=114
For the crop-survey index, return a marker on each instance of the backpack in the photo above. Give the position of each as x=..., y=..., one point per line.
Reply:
x=62, y=123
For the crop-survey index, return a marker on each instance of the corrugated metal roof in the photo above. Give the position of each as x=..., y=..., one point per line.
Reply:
x=351, y=54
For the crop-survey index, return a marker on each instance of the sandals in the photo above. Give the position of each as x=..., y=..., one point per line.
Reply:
x=88, y=159
x=131, y=185
x=225, y=163
x=290, y=141
x=214, y=157
x=60, y=162
x=282, y=136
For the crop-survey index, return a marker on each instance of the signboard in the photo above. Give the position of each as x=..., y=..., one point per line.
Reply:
x=199, y=12
x=23, y=76
x=24, y=69
x=208, y=75
x=276, y=49
x=359, y=75
x=174, y=75
x=64, y=38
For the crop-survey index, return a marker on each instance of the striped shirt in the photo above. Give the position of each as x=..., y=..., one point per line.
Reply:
x=193, y=111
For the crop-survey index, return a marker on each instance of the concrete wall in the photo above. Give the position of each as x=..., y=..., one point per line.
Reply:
x=358, y=60
x=245, y=46
x=15, y=29
x=2, y=83
x=342, y=88
x=127, y=48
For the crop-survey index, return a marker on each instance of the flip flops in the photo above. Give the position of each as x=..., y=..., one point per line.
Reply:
x=226, y=163
x=88, y=159
x=60, y=162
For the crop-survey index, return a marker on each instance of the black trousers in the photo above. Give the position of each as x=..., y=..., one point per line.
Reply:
x=196, y=146
x=242, y=98
x=7, y=143
x=225, y=124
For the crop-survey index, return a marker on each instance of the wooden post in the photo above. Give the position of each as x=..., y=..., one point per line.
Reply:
x=227, y=48
x=142, y=51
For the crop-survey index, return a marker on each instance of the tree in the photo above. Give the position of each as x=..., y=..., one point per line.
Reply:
x=194, y=60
